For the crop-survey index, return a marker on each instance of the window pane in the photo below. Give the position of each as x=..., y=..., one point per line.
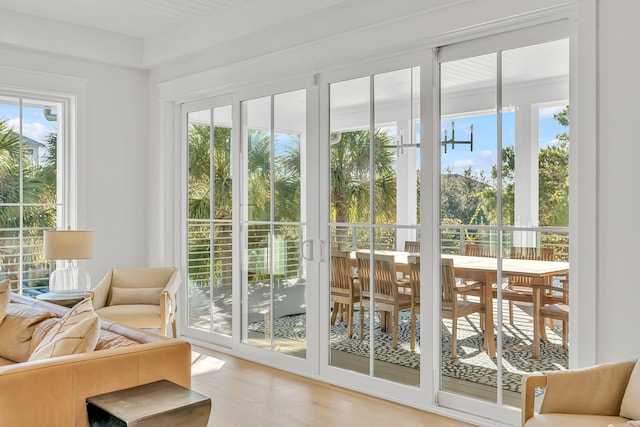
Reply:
x=222, y=162
x=290, y=124
x=258, y=125
x=276, y=278
x=350, y=141
x=39, y=148
x=10, y=245
x=199, y=183
x=30, y=196
x=209, y=220
x=469, y=200
x=10, y=154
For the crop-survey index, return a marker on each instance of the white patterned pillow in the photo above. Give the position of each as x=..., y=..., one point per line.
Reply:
x=77, y=332
x=5, y=298
x=630, y=407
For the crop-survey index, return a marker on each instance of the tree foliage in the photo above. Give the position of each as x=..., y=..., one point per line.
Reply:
x=553, y=182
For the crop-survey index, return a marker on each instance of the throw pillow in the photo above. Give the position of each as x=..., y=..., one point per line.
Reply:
x=17, y=329
x=5, y=297
x=76, y=332
x=123, y=296
x=630, y=407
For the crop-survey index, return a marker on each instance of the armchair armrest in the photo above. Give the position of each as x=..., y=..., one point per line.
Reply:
x=168, y=304
x=100, y=292
x=529, y=385
x=468, y=287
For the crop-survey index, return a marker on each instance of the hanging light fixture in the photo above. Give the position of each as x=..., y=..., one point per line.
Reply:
x=453, y=140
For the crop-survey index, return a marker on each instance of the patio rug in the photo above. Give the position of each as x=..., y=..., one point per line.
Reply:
x=472, y=364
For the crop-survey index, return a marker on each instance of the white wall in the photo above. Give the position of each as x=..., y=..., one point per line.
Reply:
x=112, y=147
x=618, y=295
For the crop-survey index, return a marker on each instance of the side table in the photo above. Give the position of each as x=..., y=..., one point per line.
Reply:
x=67, y=299
x=158, y=404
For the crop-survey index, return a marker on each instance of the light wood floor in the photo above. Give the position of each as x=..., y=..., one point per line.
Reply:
x=244, y=393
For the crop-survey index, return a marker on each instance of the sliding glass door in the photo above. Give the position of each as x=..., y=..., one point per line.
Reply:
x=374, y=211
x=504, y=237
x=209, y=222
x=275, y=272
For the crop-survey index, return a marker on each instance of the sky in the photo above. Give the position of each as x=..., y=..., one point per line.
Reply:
x=34, y=126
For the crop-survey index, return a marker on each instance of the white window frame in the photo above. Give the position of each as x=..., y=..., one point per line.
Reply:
x=66, y=172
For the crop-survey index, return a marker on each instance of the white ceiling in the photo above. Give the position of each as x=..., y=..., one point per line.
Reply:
x=149, y=19
x=134, y=18
x=148, y=33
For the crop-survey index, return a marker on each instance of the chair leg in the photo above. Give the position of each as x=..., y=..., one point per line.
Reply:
x=173, y=328
x=413, y=328
x=454, y=337
x=334, y=313
x=511, y=312
x=362, y=320
x=565, y=334
x=349, y=308
x=543, y=329
x=395, y=329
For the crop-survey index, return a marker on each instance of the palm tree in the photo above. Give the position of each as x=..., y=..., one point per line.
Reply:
x=38, y=198
x=203, y=235
x=9, y=152
x=350, y=180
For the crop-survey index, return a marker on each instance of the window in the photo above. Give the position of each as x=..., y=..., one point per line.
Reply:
x=31, y=193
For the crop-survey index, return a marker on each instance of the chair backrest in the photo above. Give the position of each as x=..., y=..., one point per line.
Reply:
x=532, y=253
x=364, y=272
x=448, y=282
x=341, y=280
x=385, y=276
x=141, y=277
x=547, y=254
x=412, y=246
x=474, y=249
x=414, y=277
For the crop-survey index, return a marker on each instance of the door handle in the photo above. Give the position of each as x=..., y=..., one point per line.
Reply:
x=307, y=250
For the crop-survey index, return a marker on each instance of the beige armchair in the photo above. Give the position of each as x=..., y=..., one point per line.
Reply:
x=602, y=395
x=138, y=297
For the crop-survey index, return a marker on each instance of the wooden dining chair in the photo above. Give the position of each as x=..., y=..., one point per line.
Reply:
x=474, y=249
x=454, y=307
x=387, y=298
x=518, y=288
x=414, y=279
x=344, y=292
x=412, y=246
x=546, y=306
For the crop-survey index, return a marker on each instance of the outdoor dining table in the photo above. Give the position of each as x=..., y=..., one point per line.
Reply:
x=485, y=269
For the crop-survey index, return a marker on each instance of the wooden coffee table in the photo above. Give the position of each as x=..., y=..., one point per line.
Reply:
x=158, y=404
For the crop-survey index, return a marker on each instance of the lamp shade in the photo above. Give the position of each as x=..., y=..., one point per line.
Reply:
x=68, y=244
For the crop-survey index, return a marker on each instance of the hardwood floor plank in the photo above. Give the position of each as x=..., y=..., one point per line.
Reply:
x=244, y=393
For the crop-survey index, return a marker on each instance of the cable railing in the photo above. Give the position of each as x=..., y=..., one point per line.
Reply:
x=454, y=238
x=24, y=264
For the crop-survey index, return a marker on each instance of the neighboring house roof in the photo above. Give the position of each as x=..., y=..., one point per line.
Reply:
x=30, y=142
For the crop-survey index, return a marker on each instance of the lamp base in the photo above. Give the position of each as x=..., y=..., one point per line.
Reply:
x=69, y=280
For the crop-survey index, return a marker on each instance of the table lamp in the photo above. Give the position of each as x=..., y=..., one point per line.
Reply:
x=68, y=246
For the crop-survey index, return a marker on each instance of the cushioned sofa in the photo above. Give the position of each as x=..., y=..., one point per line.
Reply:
x=602, y=395
x=53, y=391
